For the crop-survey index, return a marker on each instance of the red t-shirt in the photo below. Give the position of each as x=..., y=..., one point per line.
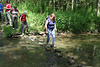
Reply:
x=23, y=17
x=7, y=6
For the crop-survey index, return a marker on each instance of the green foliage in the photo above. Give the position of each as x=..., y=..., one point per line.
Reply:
x=7, y=31
x=77, y=21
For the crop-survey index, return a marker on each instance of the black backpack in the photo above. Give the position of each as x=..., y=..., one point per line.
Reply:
x=46, y=19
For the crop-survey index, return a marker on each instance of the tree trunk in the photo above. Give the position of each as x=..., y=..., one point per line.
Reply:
x=72, y=4
x=54, y=4
x=98, y=7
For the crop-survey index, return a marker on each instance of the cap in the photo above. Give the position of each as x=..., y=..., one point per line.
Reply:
x=25, y=12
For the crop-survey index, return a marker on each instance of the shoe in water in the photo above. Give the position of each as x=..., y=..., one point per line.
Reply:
x=48, y=45
x=54, y=45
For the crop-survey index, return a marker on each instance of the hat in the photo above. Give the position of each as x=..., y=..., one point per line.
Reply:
x=25, y=12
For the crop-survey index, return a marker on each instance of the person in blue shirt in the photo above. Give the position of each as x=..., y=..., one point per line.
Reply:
x=50, y=27
x=1, y=11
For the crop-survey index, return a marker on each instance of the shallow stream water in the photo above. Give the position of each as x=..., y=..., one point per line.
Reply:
x=22, y=52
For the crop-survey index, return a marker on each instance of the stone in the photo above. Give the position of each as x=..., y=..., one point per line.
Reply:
x=59, y=55
x=41, y=33
x=48, y=49
x=77, y=65
x=70, y=60
x=41, y=44
x=57, y=50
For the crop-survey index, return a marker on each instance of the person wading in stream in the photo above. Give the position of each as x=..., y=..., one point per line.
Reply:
x=24, y=22
x=1, y=11
x=50, y=27
x=14, y=13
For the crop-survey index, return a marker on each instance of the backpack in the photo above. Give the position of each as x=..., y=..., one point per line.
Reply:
x=20, y=16
x=46, y=19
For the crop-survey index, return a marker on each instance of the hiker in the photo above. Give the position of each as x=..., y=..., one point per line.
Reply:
x=14, y=13
x=1, y=11
x=50, y=27
x=7, y=15
x=24, y=22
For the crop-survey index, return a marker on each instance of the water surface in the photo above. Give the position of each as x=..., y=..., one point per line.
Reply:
x=22, y=52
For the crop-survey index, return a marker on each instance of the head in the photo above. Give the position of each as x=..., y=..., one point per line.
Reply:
x=15, y=7
x=25, y=12
x=7, y=2
x=52, y=16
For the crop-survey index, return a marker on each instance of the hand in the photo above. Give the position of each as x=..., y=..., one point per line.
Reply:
x=46, y=32
x=55, y=29
x=4, y=7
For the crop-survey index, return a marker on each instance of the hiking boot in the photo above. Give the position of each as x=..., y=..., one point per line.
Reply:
x=48, y=46
x=22, y=34
x=26, y=32
x=54, y=45
x=13, y=28
x=10, y=25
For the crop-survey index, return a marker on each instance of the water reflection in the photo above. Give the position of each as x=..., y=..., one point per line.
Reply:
x=51, y=62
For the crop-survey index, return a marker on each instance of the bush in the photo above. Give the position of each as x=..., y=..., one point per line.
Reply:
x=77, y=21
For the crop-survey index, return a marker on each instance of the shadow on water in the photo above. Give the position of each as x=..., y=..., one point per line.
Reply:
x=36, y=57
x=85, y=49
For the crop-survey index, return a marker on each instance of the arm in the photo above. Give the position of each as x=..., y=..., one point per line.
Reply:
x=20, y=20
x=7, y=8
x=9, y=12
x=46, y=26
x=18, y=13
x=2, y=9
x=55, y=27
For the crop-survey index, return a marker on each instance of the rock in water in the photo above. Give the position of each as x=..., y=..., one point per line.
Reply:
x=70, y=60
x=59, y=55
x=57, y=50
x=48, y=49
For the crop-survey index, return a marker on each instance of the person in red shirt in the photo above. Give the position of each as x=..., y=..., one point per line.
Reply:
x=7, y=15
x=24, y=22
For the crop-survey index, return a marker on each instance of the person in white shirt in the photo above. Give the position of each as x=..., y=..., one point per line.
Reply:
x=14, y=13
